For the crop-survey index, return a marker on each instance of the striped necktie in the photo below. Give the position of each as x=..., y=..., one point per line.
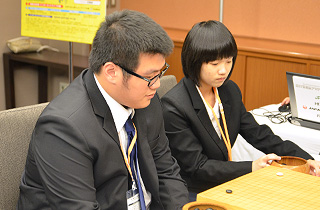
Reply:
x=133, y=159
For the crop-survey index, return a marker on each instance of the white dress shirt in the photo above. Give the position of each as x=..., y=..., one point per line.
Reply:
x=120, y=116
x=211, y=116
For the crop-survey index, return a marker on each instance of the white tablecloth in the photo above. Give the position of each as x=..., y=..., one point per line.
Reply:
x=307, y=138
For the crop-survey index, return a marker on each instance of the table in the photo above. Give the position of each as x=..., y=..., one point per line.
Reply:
x=307, y=138
x=43, y=61
x=265, y=190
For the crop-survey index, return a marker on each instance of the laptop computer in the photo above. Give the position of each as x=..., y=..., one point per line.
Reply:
x=304, y=93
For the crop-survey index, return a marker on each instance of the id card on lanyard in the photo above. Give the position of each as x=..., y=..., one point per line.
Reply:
x=133, y=199
x=225, y=135
x=132, y=195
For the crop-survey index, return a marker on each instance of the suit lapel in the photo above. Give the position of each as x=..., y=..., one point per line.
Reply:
x=100, y=107
x=203, y=116
x=145, y=158
x=226, y=105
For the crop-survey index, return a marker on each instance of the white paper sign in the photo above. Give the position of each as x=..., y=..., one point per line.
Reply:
x=307, y=91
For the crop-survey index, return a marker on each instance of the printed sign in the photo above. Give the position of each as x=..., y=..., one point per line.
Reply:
x=65, y=20
x=307, y=91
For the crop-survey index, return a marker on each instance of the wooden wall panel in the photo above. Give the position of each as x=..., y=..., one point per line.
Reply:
x=260, y=69
x=174, y=60
x=266, y=81
x=239, y=74
x=315, y=69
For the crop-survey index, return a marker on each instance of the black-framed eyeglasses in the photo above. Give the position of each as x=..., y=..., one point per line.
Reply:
x=150, y=81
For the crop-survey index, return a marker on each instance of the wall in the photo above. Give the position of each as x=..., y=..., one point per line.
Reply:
x=177, y=14
x=9, y=16
x=269, y=26
x=26, y=77
x=296, y=21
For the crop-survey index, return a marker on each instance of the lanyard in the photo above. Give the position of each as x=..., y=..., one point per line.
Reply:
x=127, y=160
x=225, y=136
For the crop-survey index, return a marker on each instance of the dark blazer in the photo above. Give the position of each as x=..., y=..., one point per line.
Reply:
x=201, y=154
x=75, y=161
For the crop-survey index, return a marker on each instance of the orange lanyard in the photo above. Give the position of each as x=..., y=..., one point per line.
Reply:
x=127, y=161
x=225, y=137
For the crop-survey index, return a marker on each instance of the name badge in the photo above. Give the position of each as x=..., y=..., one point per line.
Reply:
x=133, y=199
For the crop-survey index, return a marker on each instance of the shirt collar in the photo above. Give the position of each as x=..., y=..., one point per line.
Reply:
x=119, y=113
x=215, y=107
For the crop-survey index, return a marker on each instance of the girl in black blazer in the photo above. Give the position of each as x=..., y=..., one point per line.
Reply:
x=204, y=114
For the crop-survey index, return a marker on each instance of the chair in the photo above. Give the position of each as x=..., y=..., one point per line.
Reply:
x=167, y=82
x=16, y=126
x=196, y=205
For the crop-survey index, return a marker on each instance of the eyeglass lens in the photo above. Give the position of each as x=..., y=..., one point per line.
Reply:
x=155, y=79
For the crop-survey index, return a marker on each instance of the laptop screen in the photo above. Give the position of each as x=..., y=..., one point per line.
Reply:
x=304, y=93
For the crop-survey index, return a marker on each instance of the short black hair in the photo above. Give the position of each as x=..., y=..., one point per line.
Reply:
x=123, y=36
x=206, y=41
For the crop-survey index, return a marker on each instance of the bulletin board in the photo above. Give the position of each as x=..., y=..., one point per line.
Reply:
x=65, y=20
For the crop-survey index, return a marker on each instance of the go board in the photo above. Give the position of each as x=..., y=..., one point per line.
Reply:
x=268, y=188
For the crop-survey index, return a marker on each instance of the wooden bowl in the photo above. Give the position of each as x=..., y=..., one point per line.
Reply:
x=196, y=205
x=292, y=163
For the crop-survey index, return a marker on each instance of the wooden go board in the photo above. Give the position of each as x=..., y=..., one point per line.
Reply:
x=270, y=188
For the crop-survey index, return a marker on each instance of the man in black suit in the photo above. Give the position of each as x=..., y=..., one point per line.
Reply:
x=78, y=152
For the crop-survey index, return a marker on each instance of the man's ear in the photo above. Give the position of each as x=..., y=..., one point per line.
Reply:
x=110, y=72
